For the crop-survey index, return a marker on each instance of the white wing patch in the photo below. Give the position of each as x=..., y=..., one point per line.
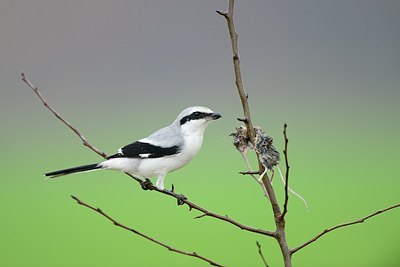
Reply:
x=120, y=151
x=144, y=155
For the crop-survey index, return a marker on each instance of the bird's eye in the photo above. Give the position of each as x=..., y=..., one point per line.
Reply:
x=197, y=114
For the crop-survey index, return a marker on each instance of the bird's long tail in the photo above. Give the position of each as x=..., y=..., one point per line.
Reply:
x=291, y=191
x=83, y=168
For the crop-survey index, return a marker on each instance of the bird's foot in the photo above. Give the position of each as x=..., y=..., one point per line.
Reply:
x=147, y=184
x=181, y=199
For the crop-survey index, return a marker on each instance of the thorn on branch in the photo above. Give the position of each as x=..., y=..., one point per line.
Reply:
x=76, y=199
x=200, y=216
x=244, y=120
x=249, y=173
x=222, y=13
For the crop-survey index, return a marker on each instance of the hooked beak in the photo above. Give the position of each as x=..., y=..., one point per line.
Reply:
x=215, y=116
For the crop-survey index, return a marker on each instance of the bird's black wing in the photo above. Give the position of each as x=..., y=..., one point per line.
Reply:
x=145, y=150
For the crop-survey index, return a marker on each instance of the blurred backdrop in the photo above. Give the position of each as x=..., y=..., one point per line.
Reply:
x=119, y=70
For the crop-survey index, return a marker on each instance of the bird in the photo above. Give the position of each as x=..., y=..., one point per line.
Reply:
x=166, y=150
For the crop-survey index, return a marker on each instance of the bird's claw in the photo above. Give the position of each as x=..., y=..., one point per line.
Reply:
x=181, y=199
x=147, y=184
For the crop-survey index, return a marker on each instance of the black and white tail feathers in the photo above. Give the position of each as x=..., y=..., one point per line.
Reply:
x=84, y=168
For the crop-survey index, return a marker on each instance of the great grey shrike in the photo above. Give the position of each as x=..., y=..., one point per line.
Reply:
x=164, y=151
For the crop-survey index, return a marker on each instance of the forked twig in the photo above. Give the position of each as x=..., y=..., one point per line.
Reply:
x=118, y=224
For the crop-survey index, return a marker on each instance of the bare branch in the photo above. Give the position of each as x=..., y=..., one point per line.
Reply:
x=261, y=254
x=208, y=213
x=285, y=152
x=342, y=225
x=170, y=248
x=61, y=118
x=238, y=75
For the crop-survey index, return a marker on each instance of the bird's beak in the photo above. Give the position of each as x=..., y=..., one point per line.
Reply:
x=215, y=116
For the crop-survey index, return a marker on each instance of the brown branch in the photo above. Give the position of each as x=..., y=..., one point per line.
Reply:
x=118, y=224
x=61, y=118
x=183, y=200
x=238, y=75
x=342, y=225
x=261, y=254
x=285, y=152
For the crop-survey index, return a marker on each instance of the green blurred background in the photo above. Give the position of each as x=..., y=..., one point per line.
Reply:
x=120, y=70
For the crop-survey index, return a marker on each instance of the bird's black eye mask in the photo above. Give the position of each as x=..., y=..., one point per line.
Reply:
x=194, y=116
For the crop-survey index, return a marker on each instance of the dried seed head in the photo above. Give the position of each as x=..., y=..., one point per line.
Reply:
x=266, y=151
x=240, y=140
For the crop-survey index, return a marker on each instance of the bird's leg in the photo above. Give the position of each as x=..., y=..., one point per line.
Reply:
x=146, y=184
x=160, y=182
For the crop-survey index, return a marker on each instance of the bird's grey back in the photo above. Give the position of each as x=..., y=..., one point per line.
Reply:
x=166, y=137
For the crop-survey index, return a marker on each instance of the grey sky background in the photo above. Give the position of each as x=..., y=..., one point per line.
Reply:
x=128, y=51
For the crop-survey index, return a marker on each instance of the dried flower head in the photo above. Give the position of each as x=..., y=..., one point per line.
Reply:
x=265, y=149
x=241, y=140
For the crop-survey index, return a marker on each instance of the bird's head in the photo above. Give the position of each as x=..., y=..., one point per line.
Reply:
x=194, y=119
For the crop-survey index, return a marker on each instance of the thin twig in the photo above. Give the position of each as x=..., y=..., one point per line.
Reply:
x=208, y=213
x=118, y=224
x=342, y=225
x=285, y=152
x=261, y=254
x=238, y=75
x=61, y=118
x=249, y=173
